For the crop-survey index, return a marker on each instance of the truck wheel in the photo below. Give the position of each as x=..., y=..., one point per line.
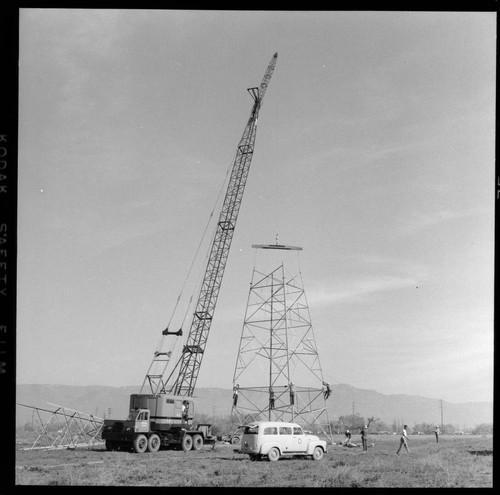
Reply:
x=140, y=444
x=154, y=443
x=317, y=454
x=187, y=442
x=197, y=442
x=273, y=455
x=235, y=440
x=109, y=445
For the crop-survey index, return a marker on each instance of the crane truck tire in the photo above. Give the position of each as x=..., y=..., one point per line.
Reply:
x=140, y=444
x=154, y=443
x=187, y=442
x=109, y=446
x=235, y=440
x=197, y=442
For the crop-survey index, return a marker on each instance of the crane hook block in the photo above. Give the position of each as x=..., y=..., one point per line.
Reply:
x=178, y=333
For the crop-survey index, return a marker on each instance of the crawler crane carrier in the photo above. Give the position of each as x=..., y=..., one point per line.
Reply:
x=163, y=418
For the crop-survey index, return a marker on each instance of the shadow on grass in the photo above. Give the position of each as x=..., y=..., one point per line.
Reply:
x=480, y=452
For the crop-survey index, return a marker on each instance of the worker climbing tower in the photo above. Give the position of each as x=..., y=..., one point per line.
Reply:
x=278, y=375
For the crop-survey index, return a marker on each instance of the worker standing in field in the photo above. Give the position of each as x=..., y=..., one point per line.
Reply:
x=403, y=441
x=436, y=432
x=347, y=440
x=364, y=438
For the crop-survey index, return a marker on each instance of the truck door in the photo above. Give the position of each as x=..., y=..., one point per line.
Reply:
x=299, y=440
x=142, y=421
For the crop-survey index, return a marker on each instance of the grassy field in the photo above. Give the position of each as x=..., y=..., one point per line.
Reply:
x=456, y=462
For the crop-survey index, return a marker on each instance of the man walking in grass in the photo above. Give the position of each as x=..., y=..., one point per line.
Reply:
x=436, y=432
x=403, y=441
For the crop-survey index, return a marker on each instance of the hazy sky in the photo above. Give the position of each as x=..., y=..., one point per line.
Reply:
x=374, y=152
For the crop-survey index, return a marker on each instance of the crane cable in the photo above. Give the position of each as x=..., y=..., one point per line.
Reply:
x=221, y=190
x=174, y=350
x=179, y=297
x=197, y=285
x=175, y=347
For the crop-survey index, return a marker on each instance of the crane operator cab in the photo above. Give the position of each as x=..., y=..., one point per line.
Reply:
x=164, y=410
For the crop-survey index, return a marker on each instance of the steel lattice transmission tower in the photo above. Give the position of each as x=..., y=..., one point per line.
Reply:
x=278, y=373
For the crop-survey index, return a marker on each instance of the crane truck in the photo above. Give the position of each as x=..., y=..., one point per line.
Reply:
x=163, y=416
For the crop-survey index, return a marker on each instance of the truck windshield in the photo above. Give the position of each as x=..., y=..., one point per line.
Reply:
x=132, y=415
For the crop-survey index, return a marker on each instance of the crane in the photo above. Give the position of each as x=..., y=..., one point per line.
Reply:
x=190, y=361
x=163, y=417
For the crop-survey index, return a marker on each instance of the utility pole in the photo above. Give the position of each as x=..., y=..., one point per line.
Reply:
x=353, y=404
x=442, y=423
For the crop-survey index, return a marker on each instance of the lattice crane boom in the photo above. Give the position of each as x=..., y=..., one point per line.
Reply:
x=188, y=366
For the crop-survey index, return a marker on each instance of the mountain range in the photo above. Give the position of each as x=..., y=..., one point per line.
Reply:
x=105, y=401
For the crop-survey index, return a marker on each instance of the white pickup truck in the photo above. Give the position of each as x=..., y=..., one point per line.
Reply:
x=275, y=439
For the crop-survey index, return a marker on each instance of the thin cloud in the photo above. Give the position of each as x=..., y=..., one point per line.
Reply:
x=82, y=38
x=376, y=274
x=358, y=288
x=420, y=221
